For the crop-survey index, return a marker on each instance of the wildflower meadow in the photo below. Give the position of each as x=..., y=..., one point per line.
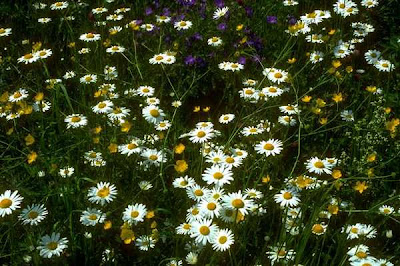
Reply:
x=200, y=132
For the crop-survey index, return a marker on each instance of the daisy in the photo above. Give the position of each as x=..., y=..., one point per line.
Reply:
x=218, y=175
x=242, y=154
x=384, y=65
x=152, y=101
x=183, y=25
x=201, y=135
x=197, y=193
x=33, y=214
x=319, y=229
x=287, y=120
x=272, y=91
x=183, y=229
x=99, y=10
x=91, y=217
x=84, y=51
x=44, y=20
x=66, y=172
x=28, y=58
x=347, y=115
x=18, y=95
x=234, y=67
x=247, y=93
x=89, y=37
x=215, y=157
x=153, y=156
x=44, y=53
x=118, y=113
x=217, y=193
x=145, y=91
x=75, y=121
x=209, y=208
x=318, y=166
x=134, y=213
x=153, y=114
x=358, y=252
x=289, y=109
x=53, y=245
x=115, y=49
x=223, y=240
x=214, y=41
x=316, y=57
x=191, y=258
x=275, y=75
x=103, y=107
x=102, y=193
x=354, y=231
x=147, y=27
x=205, y=125
x=5, y=32
x=253, y=193
x=87, y=79
x=250, y=82
x=163, y=125
x=114, y=30
x=115, y=17
x=193, y=214
x=220, y=12
x=247, y=131
x=130, y=148
x=225, y=119
x=369, y=3
x=204, y=231
x=269, y=147
x=145, y=242
x=158, y=59
x=238, y=202
x=279, y=253
x=232, y=161
x=59, y=5
x=163, y=19
x=183, y=182
x=174, y=263
x=386, y=210
x=145, y=185
x=9, y=202
x=287, y=198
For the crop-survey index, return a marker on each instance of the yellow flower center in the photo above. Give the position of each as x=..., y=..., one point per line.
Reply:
x=385, y=65
x=287, y=195
x=319, y=164
x=222, y=239
x=204, y=230
x=134, y=214
x=75, y=119
x=154, y=113
x=278, y=75
x=211, y=206
x=42, y=53
x=28, y=56
x=183, y=183
x=218, y=175
x=182, y=24
x=230, y=160
x=52, y=245
x=282, y=252
x=361, y=254
x=104, y=192
x=2, y=30
x=290, y=108
x=198, y=192
x=17, y=94
x=159, y=57
x=187, y=226
x=238, y=203
x=234, y=66
x=272, y=89
x=268, y=147
x=195, y=211
x=90, y=35
x=214, y=39
x=93, y=217
x=248, y=92
x=33, y=214
x=58, y=4
x=5, y=203
x=317, y=228
x=354, y=230
x=201, y=134
x=153, y=157
x=342, y=5
x=311, y=15
x=132, y=146
x=101, y=105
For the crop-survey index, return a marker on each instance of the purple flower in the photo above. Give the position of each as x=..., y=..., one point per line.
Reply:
x=272, y=19
x=249, y=11
x=187, y=2
x=190, y=60
x=242, y=60
x=292, y=20
x=166, y=11
x=148, y=11
x=222, y=26
x=197, y=37
x=219, y=3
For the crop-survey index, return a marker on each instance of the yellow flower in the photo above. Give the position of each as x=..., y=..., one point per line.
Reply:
x=336, y=174
x=239, y=27
x=96, y=140
x=39, y=96
x=320, y=102
x=127, y=234
x=29, y=140
x=371, y=89
x=392, y=124
x=4, y=97
x=126, y=126
x=243, y=40
x=71, y=45
x=292, y=60
x=206, y=109
x=336, y=63
x=332, y=31
x=371, y=157
x=107, y=225
x=107, y=43
x=370, y=172
x=316, y=110
x=323, y=120
x=113, y=148
x=196, y=109
x=181, y=166
x=332, y=70
x=337, y=97
x=349, y=69
x=306, y=99
x=388, y=110
x=333, y=209
x=150, y=214
x=360, y=186
x=153, y=225
x=36, y=46
x=266, y=179
x=179, y=148
x=32, y=157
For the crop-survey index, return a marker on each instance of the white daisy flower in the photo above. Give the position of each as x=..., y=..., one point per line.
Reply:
x=153, y=114
x=204, y=231
x=223, y=240
x=33, y=214
x=102, y=193
x=9, y=202
x=183, y=25
x=75, y=121
x=287, y=198
x=225, y=119
x=238, y=202
x=91, y=217
x=53, y=245
x=134, y=213
x=89, y=37
x=269, y=147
